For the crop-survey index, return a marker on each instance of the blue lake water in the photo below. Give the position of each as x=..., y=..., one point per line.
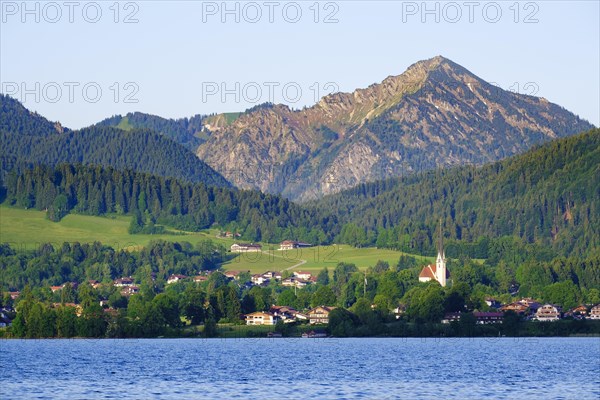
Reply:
x=370, y=368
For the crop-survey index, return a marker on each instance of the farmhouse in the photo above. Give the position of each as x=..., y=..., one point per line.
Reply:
x=291, y=244
x=245, y=248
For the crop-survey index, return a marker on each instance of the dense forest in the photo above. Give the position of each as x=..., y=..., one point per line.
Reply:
x=549, y=195
x=15, y=118
x=156, y=200
x=32, y=140
x=185, y=131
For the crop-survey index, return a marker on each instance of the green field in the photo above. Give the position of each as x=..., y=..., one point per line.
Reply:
x=315, y=258
x=27, y=229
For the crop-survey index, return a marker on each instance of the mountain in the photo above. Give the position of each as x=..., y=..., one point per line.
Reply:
x=29, y=139
x=185, y=131
x=435, y=114
x=548, y=195
x=14, y=117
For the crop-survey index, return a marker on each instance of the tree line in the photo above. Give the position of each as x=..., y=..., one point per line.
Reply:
x=548, y=196
x=369, y=296
x=154, y=199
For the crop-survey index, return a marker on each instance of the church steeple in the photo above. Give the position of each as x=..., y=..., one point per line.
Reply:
x=440, y=263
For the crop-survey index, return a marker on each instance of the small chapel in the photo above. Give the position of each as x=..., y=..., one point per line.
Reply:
x=438, y=270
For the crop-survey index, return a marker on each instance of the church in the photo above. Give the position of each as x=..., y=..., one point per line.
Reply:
x=438, y=270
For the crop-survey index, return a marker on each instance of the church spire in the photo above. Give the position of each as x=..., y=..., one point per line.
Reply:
x=440, y=244
x=440, y=270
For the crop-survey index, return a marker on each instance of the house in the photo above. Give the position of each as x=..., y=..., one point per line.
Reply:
x=287, y=245
x=516, y=307
x=232, y=274
x=399, y=311
x=491, y=302
x=578, y=312
x=94, y=283
x=130, y=290
x=595, y=312
x=258, y=279
x=14, y=295
x=56, y=288
x=547, y=312
x=175, y=278
x=287, y=314
x=292, y=281
x=261, y=318
x=245, y=248
x=531, y=304
x=123, y=282
x=200, y=278
x=319, y=315
x=484, y=318
x=272, y=275
x=4, y=320
x=451, y=317
x=303, y=275
x=291, y=244
x=437, y=272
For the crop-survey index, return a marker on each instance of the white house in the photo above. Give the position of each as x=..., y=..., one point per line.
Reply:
x=303, y=275
x=261, y=318
x=595, y=312
x=175, y=278
x=245, y=248
x=547, y=312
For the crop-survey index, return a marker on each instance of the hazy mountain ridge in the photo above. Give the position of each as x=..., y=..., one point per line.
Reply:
x=435, y=114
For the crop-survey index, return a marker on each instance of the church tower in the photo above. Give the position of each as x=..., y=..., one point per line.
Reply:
x=440, y=263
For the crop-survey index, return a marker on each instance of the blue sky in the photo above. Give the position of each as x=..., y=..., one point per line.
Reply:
x=175, y=59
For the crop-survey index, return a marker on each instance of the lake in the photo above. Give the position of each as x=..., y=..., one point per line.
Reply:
x=369, y=368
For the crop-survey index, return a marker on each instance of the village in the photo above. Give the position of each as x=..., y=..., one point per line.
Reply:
x=528, y=309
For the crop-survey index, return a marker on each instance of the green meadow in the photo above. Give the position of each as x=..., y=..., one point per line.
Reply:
x=27, y=229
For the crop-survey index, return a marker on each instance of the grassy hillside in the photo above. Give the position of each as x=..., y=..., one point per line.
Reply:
x=27, y=229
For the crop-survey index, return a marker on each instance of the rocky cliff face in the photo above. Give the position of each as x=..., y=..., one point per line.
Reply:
x=435, y=114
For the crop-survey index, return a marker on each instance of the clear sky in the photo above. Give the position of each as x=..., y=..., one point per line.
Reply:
x=81, y=62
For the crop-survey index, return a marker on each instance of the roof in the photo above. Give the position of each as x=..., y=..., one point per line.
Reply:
x=325, y=308
x=477, y=314
x=259, y=313
x=429, y=272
